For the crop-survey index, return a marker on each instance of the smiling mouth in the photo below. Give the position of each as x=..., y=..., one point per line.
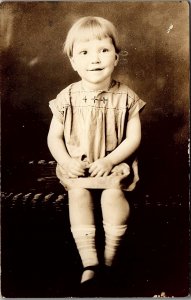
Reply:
x=97, y=69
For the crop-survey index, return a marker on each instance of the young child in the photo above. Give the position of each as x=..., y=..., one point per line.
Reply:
x=94, y=134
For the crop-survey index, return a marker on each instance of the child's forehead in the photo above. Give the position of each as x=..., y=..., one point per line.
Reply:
x=92, y=41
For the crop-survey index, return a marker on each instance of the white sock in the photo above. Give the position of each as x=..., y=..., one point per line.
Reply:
x=84, y=236
x=113, y=237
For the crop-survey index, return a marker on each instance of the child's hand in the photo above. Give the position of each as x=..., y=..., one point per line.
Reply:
x=75, y=167
x=100, y=167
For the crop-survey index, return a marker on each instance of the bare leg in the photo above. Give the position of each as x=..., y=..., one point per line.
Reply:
x=115, y=210
x=83, y=228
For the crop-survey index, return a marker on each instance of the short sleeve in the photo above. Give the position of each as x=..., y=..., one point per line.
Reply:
x=59, y=106
x=135, y=104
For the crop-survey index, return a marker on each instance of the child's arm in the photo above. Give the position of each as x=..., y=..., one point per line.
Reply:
x=130, y=144
x=102, y=167
x=73, y=167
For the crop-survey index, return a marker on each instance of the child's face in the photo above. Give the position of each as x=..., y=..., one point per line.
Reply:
x=94, y=61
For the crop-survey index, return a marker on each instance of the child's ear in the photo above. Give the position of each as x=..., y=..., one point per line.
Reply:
x=116, y=59
x=72, y=63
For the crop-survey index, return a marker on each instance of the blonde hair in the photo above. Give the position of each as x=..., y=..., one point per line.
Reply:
x=88, y=28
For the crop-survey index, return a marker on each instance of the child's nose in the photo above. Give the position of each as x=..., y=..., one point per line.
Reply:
x=95, y=58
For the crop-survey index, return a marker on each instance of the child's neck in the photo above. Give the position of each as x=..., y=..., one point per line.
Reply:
x=97, y=86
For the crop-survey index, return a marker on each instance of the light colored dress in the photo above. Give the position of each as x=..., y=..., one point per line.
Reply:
x=94, y=125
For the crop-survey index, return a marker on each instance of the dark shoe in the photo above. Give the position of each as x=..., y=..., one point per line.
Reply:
x=88, y=288
x=107, y=281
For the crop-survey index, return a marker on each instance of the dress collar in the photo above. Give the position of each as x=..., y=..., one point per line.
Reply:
x=96, y=92
x=77, y=87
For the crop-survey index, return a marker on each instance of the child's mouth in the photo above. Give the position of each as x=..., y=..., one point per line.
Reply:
x=97, y=69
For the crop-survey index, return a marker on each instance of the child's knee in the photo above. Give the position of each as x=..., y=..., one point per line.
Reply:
x=79, y=197
x=113, y=197
x=114, y=201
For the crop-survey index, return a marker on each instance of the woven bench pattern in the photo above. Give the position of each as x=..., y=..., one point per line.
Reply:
x=36, y=185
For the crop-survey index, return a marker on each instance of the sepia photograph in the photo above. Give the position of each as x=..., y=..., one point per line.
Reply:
x=95, y=149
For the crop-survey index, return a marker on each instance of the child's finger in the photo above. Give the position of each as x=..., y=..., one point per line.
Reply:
x=105, y=174
x=92, y=168
x=77, y=167
x=99, y=174
x=85, y=165
x=82, y=165
x=94, y=172
x=72, y=175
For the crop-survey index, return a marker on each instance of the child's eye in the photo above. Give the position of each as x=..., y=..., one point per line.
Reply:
x=104, y=50
x=84, y=52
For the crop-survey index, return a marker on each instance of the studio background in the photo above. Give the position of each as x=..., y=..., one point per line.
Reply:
x=154, y=62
